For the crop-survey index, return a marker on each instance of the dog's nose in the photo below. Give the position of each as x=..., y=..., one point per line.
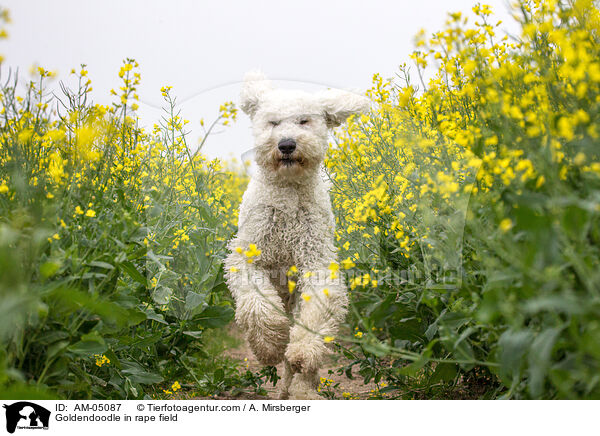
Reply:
x=287, y=146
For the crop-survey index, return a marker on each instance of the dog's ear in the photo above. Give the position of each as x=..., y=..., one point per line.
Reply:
x=255, y=86
x=339, y=105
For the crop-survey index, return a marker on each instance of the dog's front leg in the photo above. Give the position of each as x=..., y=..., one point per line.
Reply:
x=320, y=310
x=260, y=312
x=286, y=380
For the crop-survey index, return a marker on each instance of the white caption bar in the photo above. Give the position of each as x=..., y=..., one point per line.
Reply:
x=299, y=417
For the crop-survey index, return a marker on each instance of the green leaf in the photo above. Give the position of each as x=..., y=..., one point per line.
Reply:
x=26, y=392
x=444, y=372
x=48, y=269
x=219, y=375
x=414, y=367
x=420, y=362
x=56, y=349
x=100, y=264
x=378, y=349
x=215, y=316
x=146, y=341
x=52, y=336
x=142, y=377
x=193, y=300
x=151, y=314
x=137, y=374
x=459, y=345
x=90, y=344
x=130, y=269
x=71, y=299
x=114, y=359
x=539, y=359
x=555, y=303
x=162, y=295
x=135, y=317
x=513, y=344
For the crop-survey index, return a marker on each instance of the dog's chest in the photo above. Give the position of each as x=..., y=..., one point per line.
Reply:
x=295, y=236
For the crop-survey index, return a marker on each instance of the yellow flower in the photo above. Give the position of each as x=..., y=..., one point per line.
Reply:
x=25, y=135
x=579, y=159
x=291, y=286
x=56, y=167
x=540, y=181
x=233, y=269
x=90, y=213
x=328, y=339
x=326, y=292
x=101, y=359
x=252, y=252
x=358, y=334
x=506, y=224
x=492, y=140
x=347, y=263
x=566, y=128
x=305, y=297
x=78, y=210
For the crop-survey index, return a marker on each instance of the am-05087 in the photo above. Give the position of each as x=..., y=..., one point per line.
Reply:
x=102, y=407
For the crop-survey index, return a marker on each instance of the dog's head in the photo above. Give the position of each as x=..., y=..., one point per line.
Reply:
x=290, y=126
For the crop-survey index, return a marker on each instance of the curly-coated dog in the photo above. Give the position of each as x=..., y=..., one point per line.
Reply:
x=282, y=269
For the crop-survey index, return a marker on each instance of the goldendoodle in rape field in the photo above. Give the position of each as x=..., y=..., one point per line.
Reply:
x=282, y=270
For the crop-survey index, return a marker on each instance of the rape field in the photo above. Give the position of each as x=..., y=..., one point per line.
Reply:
x=467, y=206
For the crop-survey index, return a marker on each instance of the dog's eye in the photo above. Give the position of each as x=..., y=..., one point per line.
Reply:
x=303, y=121
x=274, y=123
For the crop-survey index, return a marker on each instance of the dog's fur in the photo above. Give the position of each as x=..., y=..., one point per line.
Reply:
x=286, y=212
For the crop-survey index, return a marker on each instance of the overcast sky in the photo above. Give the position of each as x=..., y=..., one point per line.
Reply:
x=202, y=49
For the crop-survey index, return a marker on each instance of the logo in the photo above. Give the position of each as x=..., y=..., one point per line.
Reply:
x=26, y=415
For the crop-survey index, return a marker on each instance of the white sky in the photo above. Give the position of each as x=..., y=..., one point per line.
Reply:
x=203, y=49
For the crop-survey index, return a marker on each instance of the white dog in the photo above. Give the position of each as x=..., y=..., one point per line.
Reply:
x=282, y=270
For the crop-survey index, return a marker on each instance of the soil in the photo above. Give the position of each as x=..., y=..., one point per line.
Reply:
x=341, y=386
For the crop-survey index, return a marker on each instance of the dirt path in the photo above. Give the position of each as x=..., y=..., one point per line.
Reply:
x=340, y=385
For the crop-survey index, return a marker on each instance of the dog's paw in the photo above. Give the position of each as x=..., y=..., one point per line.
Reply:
x=304, y=387
x=305, y=395
x=283, y=396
